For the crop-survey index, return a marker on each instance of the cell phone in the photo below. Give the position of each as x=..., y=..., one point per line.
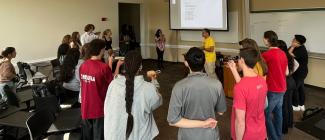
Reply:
x=119, y=58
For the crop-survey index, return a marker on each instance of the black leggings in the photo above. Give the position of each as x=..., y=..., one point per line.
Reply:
x=160, y=59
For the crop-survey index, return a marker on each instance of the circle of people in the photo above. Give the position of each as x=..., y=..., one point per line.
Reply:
x=119, y=105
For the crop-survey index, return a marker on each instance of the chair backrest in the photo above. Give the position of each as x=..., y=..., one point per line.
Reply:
x=49, y=103
x=55, y=68
x=39, y=123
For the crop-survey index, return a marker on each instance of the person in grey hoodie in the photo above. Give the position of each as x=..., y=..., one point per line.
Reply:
x=129, y=104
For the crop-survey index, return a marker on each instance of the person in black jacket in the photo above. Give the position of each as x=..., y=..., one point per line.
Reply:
x=299, y=52
x=287, y=110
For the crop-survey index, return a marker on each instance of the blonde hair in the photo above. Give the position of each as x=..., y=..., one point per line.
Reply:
x=106, y=32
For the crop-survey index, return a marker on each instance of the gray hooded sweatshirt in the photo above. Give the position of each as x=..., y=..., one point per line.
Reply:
x=145, y=100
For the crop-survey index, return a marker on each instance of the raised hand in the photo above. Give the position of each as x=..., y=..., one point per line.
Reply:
x=231, y=64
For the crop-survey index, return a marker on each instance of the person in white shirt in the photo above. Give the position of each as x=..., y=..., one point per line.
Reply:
x=89, y=34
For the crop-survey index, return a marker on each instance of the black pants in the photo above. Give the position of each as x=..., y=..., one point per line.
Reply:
x=93, y=129
x=287, y=111
x=160, y=59
x=298, y=97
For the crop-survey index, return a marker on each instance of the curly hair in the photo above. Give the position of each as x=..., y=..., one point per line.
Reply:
x=70, y=61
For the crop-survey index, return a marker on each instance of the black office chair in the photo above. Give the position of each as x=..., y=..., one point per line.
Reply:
x=65, y=120
x=55, y=68
x=39, y=123
x=22, y=74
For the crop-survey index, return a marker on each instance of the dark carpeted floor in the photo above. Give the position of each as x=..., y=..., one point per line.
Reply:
x=174, y=72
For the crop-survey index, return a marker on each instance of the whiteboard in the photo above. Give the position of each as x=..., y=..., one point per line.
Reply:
x=311, y=24
x=230, y=36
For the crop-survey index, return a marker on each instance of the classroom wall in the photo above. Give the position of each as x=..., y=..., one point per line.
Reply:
x=158, y=18
x=263, y=5
x=315, y=65
x=36, y=27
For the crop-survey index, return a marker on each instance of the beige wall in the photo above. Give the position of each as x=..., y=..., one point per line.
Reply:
x=315, y=76
x=36, y=27
x=158, y=17
x=262, y=5
x=315, y=65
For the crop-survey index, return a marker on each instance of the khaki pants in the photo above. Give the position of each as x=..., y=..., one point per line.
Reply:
x=210, y=68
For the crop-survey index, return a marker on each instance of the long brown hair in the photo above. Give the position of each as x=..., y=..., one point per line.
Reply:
x=66, y=39
x=132, y=64
x=75, y=39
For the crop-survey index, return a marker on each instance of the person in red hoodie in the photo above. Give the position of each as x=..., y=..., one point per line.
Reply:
x=95, y=76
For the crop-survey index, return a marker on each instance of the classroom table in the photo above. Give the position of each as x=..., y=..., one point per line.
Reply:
x=17, y=119
x=25, y=95
x=10, y=110
x=66, y=121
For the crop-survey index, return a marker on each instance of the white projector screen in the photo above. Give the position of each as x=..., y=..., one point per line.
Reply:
x=198, y=14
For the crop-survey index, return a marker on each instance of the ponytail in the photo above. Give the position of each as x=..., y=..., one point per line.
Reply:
x=132, y=63
x=6, y=52
x=129, y=101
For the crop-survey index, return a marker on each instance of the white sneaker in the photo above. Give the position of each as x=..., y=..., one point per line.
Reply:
x=296, y=108
x=302, y=108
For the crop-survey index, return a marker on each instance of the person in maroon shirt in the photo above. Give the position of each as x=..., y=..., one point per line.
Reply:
x=277, y=64
x=247, y=118
x=95, y=76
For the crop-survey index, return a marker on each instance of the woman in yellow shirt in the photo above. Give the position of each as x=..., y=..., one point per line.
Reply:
x=260, y=67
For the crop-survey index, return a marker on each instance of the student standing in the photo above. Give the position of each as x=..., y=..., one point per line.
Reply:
x=95, y=76
x=299, y=52
x=75, y=40
x=160, y=47
x=130, y=103
x=287, y=110
x=7, y=72
x=62, y=51
x=107, y=37
x=247, y=119
x=260, y=68
x=89, y=34
x=67, y=75
x=277, y=64
x=210, y=54
x=195, y=100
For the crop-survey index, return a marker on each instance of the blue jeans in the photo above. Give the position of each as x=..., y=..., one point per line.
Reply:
x=274, y=116
x=3, y=95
